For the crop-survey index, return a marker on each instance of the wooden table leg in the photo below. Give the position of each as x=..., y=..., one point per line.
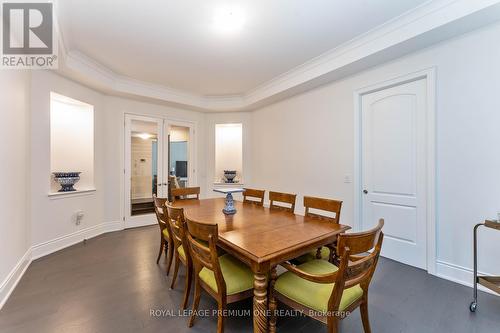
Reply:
x=260, y=303
x=318, y=253
x=272, y=301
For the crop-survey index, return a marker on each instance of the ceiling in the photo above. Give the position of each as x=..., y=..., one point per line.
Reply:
x=174, y=44
x=169, y=51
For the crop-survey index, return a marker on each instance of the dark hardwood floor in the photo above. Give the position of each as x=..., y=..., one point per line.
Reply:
x=112, y=283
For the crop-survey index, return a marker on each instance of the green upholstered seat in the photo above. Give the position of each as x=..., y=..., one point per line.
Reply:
x=237, y=275
x=325, y=255
x=314, y=295
x=181, y=252
x=165, y=233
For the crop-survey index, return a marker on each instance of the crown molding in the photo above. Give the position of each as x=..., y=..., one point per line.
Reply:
x=427, y=23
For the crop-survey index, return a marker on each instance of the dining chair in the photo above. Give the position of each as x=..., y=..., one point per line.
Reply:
x=165, y=235
x=252, y=193
x=329, y=293
x=326, y=205
x=225, y=278
x=285, y=198
x=174, y=182
x=181, y=250
x=184, y=193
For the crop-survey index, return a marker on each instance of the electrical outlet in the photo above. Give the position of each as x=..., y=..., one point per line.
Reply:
x=347, y=179
x=79, y=217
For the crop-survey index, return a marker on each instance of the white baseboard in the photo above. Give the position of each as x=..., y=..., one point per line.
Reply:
x=11, y=281
x=459, y=274
x=54, y=245
x=112, y=226
x=46, y=248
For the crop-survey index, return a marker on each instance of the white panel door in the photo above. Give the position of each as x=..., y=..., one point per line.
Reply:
x=394, y=169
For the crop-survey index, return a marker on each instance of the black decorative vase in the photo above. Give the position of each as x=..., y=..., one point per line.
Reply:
x=67, y=180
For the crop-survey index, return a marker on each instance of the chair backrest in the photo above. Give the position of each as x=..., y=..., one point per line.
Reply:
x=174, y=183
x=160, y=211
x=198, y=235
x=252, y=193
x=184, y=192
x=176, y=224
x=328, y=205
x=357, y=263
x=283, y=198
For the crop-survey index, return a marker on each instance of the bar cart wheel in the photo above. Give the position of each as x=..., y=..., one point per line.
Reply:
x=473, y=306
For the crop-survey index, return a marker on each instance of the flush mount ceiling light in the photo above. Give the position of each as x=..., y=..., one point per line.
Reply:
x=144, y=136
x=228, y=20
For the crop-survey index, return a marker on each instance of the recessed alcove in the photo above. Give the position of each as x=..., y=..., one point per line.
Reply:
x=71, y=142
x=228, y=152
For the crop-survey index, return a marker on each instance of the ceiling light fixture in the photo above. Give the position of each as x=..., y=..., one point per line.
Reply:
x=145, y=136
x=228, y=20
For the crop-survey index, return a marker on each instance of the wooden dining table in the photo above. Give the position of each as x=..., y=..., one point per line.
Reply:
x=262, y=238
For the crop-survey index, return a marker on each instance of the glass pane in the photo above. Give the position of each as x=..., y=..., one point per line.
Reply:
x=144, y=168
x=178, y=161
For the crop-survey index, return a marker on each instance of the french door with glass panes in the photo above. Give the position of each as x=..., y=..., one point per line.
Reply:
x=146, y=169
x=159, y=154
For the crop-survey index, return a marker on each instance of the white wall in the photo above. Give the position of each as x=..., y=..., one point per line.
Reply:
x=14, y=200
x=211, y=119
x=305, y=144
x=53, y=218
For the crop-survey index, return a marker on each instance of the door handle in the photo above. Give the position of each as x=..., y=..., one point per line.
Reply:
x=165, y=184
x=365, y=191
x=159, y=184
